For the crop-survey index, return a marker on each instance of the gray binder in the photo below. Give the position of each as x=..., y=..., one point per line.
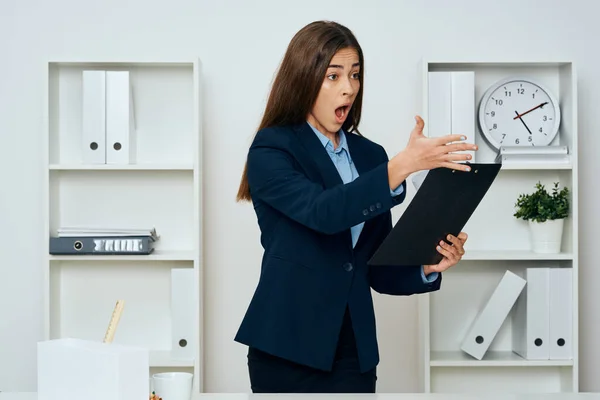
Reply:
x=102, y=245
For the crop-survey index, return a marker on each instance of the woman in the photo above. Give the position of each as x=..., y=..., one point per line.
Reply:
x=322, y=194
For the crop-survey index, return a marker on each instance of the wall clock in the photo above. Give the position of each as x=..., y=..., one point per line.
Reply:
x=518, y=111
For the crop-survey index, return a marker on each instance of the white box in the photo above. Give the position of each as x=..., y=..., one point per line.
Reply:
x=93, y=128
x=488, y=322
x=530, y=322
x=120, y=119
x=75, y=369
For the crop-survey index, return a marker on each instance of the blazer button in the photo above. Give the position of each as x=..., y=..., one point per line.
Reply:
x=365, y=212
x=372, y=208
x=348, y=267
x=378, y=205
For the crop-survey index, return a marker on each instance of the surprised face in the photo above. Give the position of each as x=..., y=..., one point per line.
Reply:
x=337, y=94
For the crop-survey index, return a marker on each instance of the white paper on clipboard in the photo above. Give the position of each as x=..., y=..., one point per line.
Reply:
x=418, y=178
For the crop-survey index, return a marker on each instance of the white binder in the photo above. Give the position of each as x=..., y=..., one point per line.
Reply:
x=120, y=126
x=463, y=106
x=183, y=341
x=452, y=105
x=561, y=314
x=93, y=117
x=439, y=118
x=488, y=322
x=418, y=178
x=530, y=323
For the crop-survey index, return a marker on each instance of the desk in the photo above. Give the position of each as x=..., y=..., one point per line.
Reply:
x=381, y=396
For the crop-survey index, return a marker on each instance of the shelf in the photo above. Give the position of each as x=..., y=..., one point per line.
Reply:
x=170, y=255
x=491, y=359
x=500, y=63
x=540, y=166
x=163, y=359
x=163, y=200
x=165, y=111
x=513, y=255
x=498, y=241
x=124, y=63
x=159, y=185
x=495, y=233
x=116, y=167
x=82, y=296
x=558, y=77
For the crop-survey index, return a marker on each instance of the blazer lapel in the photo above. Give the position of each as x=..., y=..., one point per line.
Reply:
x=359, y=156
x=318, y=164
x=316, y=157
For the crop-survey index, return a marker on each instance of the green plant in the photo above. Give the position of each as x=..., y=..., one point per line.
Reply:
x=540, y=205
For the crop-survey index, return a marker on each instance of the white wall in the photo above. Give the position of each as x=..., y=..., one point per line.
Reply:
x=241, y=43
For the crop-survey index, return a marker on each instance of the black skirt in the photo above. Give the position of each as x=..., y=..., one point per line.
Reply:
x=271, y=374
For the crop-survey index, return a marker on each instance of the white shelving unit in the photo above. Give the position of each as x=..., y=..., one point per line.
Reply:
x=499, y=242
x=162, y=189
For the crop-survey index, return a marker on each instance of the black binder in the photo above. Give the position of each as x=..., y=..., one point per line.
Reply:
x=442, y=205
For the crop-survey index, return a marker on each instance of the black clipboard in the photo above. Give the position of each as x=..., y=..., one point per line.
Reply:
x=442, y=205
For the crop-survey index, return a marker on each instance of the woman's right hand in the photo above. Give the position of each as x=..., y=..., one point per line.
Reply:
x=424, y=153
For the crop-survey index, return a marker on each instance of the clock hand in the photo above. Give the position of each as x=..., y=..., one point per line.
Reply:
x=519, y=116
x=528, y=111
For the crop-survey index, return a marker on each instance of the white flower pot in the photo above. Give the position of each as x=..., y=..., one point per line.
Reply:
x=546, y=237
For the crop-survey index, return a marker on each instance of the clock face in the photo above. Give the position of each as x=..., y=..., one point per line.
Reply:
x=519, y=112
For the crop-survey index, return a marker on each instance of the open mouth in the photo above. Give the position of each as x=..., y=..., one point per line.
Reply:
x=341, y=113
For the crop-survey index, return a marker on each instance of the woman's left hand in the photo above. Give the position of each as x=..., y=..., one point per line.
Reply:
x=452, y=253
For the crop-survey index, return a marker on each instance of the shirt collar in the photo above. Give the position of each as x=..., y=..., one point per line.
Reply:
x=329, y=145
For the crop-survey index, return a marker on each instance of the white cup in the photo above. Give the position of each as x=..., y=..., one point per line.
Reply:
x=173, y=385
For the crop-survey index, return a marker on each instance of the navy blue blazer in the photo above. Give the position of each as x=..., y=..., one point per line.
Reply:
x=310, y=272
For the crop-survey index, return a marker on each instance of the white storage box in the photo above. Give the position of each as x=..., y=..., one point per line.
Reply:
x=75, y=369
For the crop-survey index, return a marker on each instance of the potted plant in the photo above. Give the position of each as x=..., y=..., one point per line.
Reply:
x=545, y=213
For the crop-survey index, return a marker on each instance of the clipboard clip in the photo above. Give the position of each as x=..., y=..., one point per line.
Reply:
x=469, y=163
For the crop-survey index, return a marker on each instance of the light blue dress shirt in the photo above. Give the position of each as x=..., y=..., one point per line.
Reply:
x=343, y=163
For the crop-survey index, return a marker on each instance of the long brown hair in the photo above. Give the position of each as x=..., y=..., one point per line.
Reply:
x=299, y=79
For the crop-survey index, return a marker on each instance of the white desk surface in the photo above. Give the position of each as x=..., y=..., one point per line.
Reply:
x=381, y=396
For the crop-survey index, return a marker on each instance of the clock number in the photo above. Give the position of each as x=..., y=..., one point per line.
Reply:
x=507, y=93
x=540, y=130
x=517, y=141
x=498, y=102
x=493, y=113
x=545, y=118
x=495, y=126
x=530, y=138
x=503, y=136
x=520, y=91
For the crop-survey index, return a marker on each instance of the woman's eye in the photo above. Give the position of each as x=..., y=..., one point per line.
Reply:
x=332, y=76
x=356, y=75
